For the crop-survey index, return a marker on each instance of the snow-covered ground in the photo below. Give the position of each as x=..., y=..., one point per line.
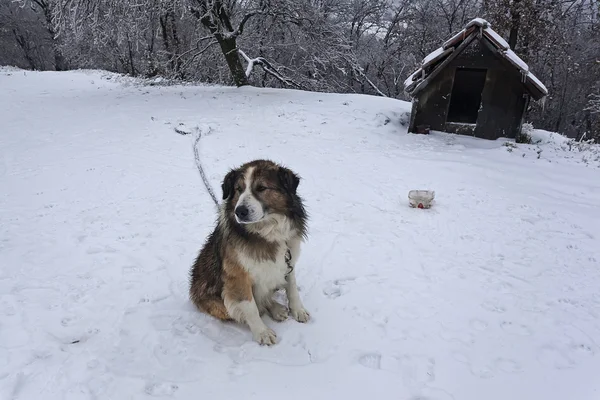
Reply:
x=492, y=294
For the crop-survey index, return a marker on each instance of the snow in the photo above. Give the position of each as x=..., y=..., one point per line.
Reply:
x=480, y=22
x=552, y=144
x=498, y=40
x=411, y=78
x=451, y=42
x=495, y=39
x=493, y=292
x=477, y=22
x=462, y=34
x=546, y=137
x=537, y=82
x=516, y=60
x=432, y=56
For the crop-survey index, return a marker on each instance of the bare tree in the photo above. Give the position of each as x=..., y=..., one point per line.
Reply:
x=45, y=9
x=363, y=46
x=216, y=16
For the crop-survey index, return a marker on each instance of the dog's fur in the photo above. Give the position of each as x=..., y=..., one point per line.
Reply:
x=242, y=263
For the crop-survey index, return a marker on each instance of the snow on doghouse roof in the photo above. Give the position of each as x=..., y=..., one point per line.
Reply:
x=435, y=60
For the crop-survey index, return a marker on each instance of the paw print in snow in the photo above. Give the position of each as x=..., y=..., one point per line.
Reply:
x=160, y=389
x=337, y=287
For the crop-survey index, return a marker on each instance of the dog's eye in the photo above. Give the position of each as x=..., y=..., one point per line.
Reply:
x=261, y=188
x=238, y=188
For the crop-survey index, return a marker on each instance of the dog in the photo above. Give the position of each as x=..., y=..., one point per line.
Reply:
x=253, y=250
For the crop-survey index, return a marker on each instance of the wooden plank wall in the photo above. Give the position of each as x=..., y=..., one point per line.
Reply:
x=502, y=98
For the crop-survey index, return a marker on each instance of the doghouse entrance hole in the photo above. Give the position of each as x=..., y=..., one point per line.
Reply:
x=466, y=95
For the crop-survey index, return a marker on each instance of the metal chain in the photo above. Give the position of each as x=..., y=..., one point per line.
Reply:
x=288, y=261
x=201, y=169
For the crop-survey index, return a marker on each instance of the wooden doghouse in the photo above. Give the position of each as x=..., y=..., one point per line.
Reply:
x=474, y=85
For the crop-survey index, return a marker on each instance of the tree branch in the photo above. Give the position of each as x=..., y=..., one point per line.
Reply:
x=242, y=24
x=269, y=69
x=199, y=53
x=360, y=72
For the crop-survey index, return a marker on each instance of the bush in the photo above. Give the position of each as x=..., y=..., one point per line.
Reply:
x=525, y=135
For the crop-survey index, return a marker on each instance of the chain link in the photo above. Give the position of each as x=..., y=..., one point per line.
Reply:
x=288, y=261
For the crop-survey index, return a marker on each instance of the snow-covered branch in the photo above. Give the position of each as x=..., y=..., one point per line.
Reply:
x=593, y=104
x=199, y=53
x=269, y=69
x=360, y=72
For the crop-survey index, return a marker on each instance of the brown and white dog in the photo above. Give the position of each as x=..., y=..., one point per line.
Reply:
x=243, y=262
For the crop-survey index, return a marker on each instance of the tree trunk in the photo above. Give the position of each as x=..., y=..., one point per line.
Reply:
x=130, y=53
x=177, y=43
x=24, y=45
x=588, y=128
x=362, y=83
x=171, y=42
x=214, y=17
x=229, y=49
x=515, y=22
x=59, y=61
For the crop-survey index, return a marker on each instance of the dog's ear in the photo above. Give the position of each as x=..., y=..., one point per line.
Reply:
x=228, y=183
x=288, y=179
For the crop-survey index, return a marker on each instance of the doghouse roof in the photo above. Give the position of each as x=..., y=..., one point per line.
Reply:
x=481, y=29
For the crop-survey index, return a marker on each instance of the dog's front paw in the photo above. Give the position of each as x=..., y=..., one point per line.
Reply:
x=300, y=314
x=266, y=337
x=278, y=312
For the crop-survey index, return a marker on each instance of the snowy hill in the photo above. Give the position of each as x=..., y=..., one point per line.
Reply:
x=491, y=294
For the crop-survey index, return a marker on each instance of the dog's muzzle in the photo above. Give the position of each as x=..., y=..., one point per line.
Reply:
x=248, y=209
x=247, y=215
x=241, y=214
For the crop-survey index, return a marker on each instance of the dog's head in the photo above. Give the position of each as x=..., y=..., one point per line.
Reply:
x=258, y=190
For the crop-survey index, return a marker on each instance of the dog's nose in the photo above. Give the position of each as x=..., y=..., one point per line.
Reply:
x=241, y=212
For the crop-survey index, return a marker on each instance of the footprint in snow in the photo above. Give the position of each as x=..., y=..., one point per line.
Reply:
x=337, y=287
x=480, y=371
x=416, y=370
x=478, y=325
x=515, y=329
x=493, y=306
x=370, y=360
x=238, y=370
x=160, y=389
x=100, y=249
x=554, y=357
x=432, y=393
x=507, y=365
x=456, y=335
x=581, y=349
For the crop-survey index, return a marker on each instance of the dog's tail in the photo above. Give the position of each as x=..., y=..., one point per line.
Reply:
x=201, y=168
